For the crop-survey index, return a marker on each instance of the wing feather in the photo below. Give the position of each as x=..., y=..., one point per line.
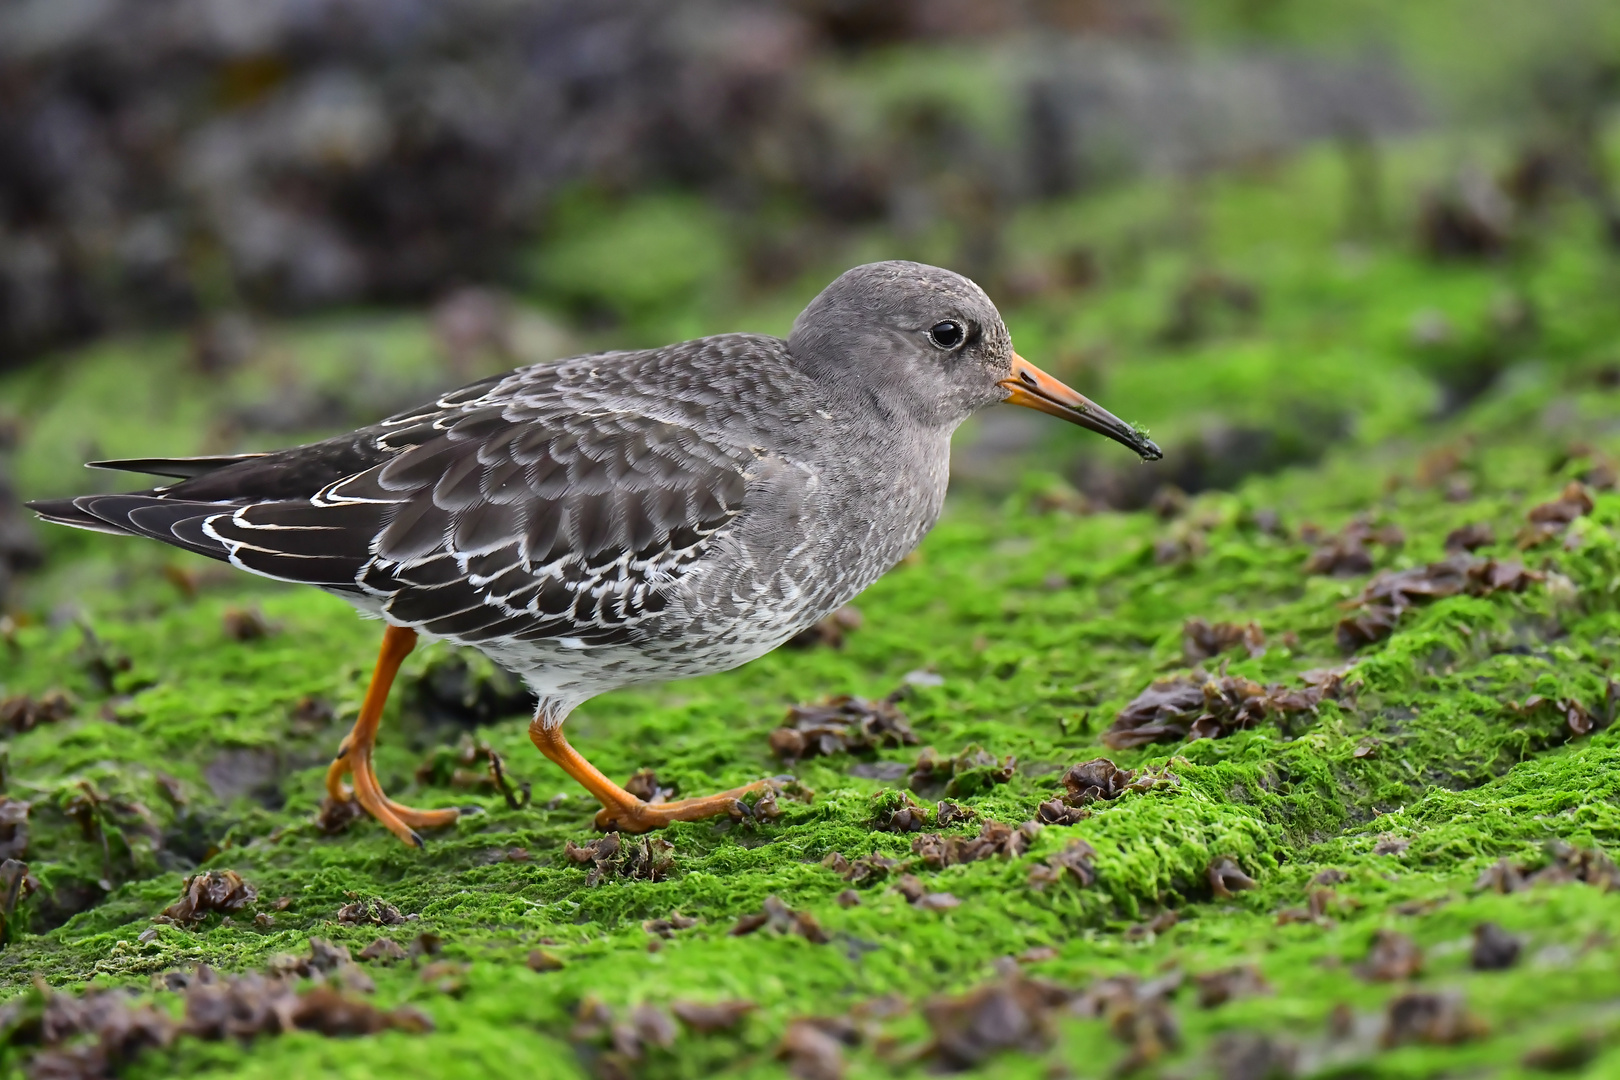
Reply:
x=180, y=468
x=560, y=501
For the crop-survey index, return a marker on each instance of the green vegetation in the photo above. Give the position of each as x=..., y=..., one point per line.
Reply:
x=1378, y=382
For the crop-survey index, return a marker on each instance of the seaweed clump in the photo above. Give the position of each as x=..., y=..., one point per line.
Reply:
x=1077, y=860
x=1096, y=780
x=644, y=858
x=938, y=851
x=841, y=724
x=20, y=712
x=1012, y=1013
x=1019, y=1013
x=1202, y=641
x=223, y=891
x=1566, y=863
x=1200, y=707
x=1389, y=595
x=783, y=920
x=98, y=1033
x=971, y=772
x=1549, y=519
x=1345, y=554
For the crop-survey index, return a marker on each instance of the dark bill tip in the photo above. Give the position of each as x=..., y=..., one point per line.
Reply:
x=1033, y=388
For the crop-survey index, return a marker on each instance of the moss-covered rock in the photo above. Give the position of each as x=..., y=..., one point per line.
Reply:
x=1454, y=775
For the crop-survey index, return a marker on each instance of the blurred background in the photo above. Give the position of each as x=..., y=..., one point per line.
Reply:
x=1264, y=228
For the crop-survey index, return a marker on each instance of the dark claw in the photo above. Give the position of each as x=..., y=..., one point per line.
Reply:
x=416, y=838
x=469, y=811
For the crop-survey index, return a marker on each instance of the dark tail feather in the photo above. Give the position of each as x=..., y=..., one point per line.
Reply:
x=177, y=523
x=68, y=512
x=181, y=468
x=148, y=515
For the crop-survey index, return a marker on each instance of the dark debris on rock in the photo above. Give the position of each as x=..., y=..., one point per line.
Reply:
x=778, y=917
x=1202, y=641
x=1097, y=780
x=1016, y=1012
x=841, y=724
x=20, y=712
x=1077, y=861
x=1216, y=988
x=995, y=838
x=829, y=631
x=1012, y=1013
x=1226, y=878
x=1494, y=948
x=861, y=871
x=707, y=1018
x=813, y=1047
x=1345, y=554
x=370, y=911
x=472, y=765
x=972, y=771
x=1198, y=706
x=223, y=891
x=1392, y=593
x=96, y=1034
x=640, y=858
x=1439, y=1019
x=1549, y=519
x=1566, y=862
x=1392, y=957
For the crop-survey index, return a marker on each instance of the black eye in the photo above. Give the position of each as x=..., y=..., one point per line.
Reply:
x=947, y=334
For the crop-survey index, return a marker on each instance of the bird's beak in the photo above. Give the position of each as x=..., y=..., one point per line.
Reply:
x=1033, y=388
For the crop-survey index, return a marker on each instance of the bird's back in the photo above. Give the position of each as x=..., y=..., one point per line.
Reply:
x=606, y=519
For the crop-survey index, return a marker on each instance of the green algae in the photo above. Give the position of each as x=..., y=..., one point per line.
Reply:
x=190, y=748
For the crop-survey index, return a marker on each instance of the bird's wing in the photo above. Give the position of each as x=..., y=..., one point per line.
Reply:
x=180, y=468
x=575, y=528
x=474, y=518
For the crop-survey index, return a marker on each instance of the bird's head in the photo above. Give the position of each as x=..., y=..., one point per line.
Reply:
x=929, y=344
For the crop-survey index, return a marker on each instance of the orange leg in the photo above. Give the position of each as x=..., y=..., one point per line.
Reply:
x=354, y=756
x=621, y=810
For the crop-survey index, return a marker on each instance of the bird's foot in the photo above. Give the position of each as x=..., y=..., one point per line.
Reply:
x=402, y=821
x=637, y=816
x=624, y=812
x=354, y=756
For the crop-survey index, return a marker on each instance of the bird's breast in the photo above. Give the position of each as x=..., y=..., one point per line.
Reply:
x=821, y=525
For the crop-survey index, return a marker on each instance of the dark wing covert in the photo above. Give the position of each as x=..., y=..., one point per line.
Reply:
x=468, y=519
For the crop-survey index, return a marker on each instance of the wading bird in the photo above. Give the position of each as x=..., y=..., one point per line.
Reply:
x=623, y=517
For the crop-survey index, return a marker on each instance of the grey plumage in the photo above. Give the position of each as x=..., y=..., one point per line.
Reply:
x=619, y=517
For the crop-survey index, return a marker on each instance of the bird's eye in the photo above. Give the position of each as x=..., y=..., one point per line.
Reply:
x=947, y=334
